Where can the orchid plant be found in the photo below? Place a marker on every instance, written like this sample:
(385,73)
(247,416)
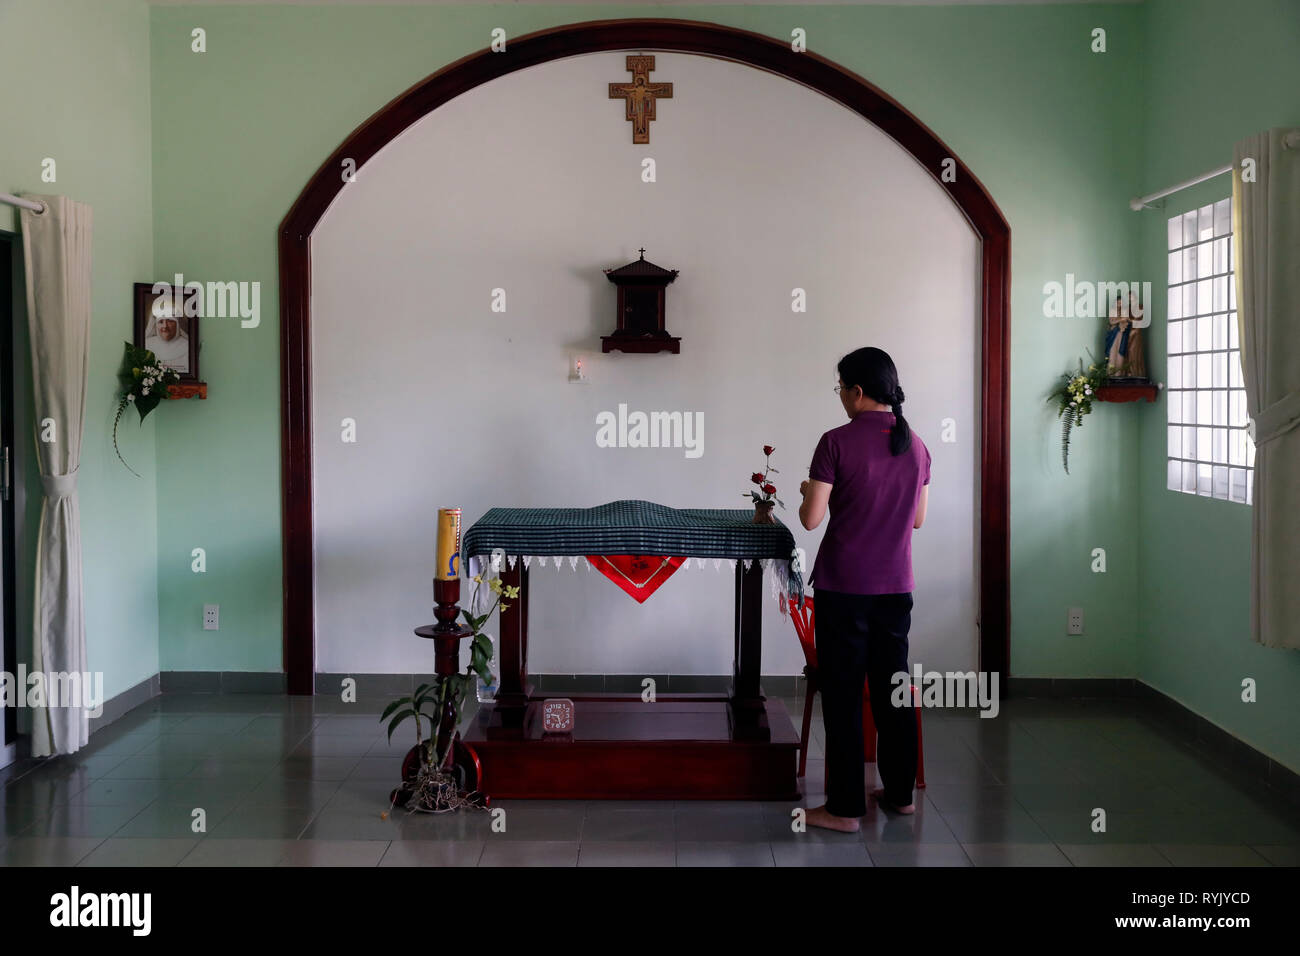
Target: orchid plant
(434,788)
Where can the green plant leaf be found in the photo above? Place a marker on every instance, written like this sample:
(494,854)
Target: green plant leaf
(145,404)
(1066,423)
(392,707)
(479,664)
(422,696)
(397,721)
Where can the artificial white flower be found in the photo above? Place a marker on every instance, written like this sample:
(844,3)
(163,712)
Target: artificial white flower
(146,390)
(130,398)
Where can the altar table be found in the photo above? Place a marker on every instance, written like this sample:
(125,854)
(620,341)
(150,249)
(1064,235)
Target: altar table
(738,745)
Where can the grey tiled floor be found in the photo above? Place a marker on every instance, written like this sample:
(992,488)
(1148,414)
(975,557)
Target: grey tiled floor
(303,782)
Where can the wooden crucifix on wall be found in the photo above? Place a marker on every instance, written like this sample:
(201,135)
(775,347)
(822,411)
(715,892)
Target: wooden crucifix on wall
(640,96)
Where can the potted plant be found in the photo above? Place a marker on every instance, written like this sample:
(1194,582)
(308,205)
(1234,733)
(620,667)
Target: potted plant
(765,497)
(1074,397)
(434,777)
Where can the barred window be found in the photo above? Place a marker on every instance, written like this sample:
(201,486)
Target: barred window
(1210,452)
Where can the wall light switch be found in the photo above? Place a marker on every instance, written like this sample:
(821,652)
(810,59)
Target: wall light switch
(1074,621)
(210,612)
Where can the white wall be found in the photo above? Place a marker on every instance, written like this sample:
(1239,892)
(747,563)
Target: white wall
(531,184)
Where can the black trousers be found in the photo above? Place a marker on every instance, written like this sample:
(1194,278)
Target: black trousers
(863,638)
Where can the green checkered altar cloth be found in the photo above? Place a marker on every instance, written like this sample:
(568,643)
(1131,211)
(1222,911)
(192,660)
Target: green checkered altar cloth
(636,527)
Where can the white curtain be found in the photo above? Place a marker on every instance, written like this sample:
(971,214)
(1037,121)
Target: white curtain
(56,251)
(1266,252)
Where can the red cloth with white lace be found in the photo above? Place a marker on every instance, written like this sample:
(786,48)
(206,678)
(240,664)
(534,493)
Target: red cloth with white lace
(640,575)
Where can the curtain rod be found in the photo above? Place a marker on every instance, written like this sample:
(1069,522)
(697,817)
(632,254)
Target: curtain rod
(1290,141)
(36,207)
(1137,205)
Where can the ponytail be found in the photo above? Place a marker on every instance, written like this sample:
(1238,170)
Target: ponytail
(900,436)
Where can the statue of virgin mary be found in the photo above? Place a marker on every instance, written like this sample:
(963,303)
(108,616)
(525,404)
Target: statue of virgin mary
(1124,353)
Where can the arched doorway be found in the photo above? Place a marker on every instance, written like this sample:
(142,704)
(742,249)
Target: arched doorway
(648,35)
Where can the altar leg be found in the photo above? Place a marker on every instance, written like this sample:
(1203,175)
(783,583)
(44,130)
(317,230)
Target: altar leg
(749,715)
(512,695)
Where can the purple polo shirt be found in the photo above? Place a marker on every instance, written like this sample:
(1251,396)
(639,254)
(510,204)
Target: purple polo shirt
(867,547)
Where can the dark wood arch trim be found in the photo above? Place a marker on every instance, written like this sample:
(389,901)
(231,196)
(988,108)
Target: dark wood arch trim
(663,35)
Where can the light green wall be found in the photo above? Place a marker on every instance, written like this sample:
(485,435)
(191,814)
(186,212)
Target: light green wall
(76,89)
(1214,74)
(1013,90)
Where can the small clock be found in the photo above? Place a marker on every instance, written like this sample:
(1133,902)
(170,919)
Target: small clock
(557,716)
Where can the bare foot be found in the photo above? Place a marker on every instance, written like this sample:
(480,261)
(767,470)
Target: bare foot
(819,817)
(879,796)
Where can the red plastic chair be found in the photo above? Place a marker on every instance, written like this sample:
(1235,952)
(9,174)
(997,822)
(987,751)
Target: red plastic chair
(803,625)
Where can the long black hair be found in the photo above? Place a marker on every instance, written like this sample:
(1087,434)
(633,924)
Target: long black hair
(873,371)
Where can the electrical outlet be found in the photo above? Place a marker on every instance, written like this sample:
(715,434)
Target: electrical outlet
(1074,621)
(210,617)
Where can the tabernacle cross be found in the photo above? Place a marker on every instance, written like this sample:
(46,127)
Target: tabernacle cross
(640,96)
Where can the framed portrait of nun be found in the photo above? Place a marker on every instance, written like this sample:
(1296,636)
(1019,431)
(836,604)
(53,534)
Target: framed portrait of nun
(167,324)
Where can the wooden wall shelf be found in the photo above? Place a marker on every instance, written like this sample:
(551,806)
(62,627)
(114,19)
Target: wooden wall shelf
(1128,392)
(642,345)
(188,390)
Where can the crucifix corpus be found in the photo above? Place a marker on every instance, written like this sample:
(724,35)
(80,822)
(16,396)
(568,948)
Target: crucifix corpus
(640,96)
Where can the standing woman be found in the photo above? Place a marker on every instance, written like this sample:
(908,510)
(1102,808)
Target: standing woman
(874,475)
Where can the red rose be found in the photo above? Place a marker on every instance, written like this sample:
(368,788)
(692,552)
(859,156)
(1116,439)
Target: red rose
(768,449)
(756,478)
(769,489)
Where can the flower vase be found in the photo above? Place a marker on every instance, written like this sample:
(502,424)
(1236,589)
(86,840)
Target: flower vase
(763,512)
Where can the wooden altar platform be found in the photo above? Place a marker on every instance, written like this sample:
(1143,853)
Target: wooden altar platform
(681,747)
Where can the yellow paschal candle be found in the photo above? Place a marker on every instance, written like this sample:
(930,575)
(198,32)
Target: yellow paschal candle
(448,552)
